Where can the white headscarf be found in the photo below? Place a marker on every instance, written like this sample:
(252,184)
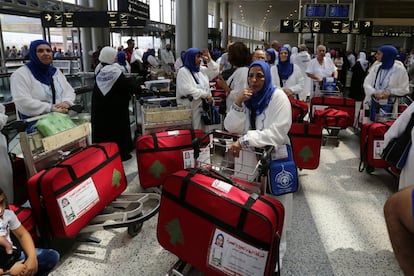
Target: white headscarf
(108,74)
(362,58)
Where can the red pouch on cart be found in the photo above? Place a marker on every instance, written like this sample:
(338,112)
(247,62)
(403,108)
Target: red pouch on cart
(161,154)
(306,141)
(331,117)
(299,110)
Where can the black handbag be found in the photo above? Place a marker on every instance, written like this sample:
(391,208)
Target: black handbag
(396,152)
(8,260)
(210,114)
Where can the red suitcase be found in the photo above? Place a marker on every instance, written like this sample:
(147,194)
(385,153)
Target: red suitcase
(218,228)
(336,102)
(25,216)
(161,154)
(68,195)
(306,141)
(371,145)
(331,117)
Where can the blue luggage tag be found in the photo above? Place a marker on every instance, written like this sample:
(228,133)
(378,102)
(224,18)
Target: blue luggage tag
(283,174)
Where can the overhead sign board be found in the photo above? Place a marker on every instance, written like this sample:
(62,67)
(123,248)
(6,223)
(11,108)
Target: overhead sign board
(103,19)
(326,10)
(326,26)
(135,8)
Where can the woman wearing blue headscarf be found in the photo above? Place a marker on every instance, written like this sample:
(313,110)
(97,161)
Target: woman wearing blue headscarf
(193,82)
(123,63)
(32,84)
(262,115)
(388,77)
(288,76)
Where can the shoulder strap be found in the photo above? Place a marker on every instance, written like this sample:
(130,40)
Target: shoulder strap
(52,85)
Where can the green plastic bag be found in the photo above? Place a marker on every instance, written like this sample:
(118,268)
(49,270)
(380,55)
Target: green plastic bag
(54,123)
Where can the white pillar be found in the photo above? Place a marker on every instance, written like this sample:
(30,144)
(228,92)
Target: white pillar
(225,32)
(217,15)
(199,23)
(182,27)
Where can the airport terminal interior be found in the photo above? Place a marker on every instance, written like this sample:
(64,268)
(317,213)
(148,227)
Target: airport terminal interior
(337,225)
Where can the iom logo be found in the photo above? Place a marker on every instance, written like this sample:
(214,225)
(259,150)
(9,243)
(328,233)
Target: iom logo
(284,179)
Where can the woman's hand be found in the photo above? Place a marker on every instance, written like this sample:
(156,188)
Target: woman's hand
(381,95)
(244,95)
(288,92)
(61,107)
(235,148)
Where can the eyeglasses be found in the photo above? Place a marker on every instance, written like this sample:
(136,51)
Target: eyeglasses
(256,76)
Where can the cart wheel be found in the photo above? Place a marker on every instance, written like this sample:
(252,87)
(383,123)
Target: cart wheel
(324,141)
(370,169)
(135,228)
(337,143)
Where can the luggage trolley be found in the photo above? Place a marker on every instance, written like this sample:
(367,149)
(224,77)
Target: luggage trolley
(127,210)
(381,114)
(215,161)
(332,98)
(156,113)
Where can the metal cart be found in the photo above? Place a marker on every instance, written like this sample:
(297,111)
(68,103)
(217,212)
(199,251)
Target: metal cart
(161,113)
(215,159)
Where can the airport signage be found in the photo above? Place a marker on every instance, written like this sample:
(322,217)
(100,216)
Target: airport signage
(326,26)
(91,19)
(326,11)
(135,8)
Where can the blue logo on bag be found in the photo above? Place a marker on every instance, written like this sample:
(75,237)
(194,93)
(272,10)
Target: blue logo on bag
(284,179)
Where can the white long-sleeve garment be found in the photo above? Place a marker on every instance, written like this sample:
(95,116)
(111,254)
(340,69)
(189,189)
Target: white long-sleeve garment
(32,97)
(6,172)
(186,86)
(396,81)
(397,128)
(295,82)
(237,82)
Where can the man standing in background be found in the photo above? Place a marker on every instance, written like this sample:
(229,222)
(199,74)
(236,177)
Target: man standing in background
(167,59)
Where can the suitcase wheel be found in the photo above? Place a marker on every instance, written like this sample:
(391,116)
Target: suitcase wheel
(369,169)
(135,228)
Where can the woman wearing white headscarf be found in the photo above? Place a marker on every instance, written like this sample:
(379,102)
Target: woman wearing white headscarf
(110,104)
(359,72)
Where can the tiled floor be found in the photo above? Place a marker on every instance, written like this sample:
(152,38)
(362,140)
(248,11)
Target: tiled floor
(337,228)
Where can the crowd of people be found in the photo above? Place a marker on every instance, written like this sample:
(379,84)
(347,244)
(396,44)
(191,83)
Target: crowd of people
(257,86)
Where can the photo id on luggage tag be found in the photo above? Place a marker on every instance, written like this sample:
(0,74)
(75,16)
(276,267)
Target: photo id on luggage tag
(279,152)
(378,148)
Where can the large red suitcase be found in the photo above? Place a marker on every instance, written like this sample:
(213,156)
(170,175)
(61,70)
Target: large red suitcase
(68,195)
(306,141)
(371,145)
(161,154)
(336,102)
(218,228)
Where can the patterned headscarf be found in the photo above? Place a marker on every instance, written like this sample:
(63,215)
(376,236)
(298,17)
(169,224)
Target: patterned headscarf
(189,59)
(389,54)
(260,100)
(42,72)
(285,68)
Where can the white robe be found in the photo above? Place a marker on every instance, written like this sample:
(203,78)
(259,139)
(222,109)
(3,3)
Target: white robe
(397,128)
(32,97)
(6,172)
(186,85)
(237,82)
(295,82)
